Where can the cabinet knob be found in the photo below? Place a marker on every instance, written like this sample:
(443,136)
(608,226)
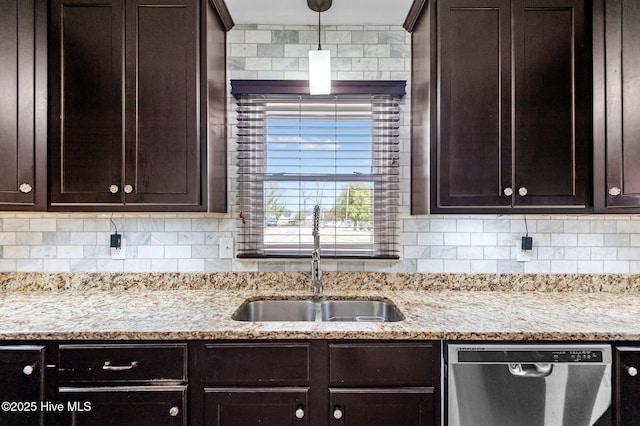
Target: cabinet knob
(337,413)
(128,189)
(174,411)
(300,413)
(614,191)
(522,191)
(29,369)
(25,188)
(508,191)
(114,189)
(632,371)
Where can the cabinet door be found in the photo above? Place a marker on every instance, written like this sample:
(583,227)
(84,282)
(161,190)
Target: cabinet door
(22,374)
(552,98)
(627,382)
(131,406)
(23,90)
(256,406)
(617,118)
(163,150)
(473,151)
(86,101)
(382,407)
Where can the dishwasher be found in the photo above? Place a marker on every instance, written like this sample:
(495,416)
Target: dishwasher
(528,385)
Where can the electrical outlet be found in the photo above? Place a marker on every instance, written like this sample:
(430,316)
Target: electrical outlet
(118,253)
(521,255)
(226,248)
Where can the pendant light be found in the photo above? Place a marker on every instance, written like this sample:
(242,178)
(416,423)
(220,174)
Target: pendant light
(319,60)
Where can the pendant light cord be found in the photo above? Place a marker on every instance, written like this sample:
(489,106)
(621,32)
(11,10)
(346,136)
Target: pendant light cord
(319,43)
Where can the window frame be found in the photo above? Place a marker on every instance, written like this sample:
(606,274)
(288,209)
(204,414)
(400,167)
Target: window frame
(393,89)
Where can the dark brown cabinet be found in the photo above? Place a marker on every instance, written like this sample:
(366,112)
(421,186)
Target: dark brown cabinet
(616,107)
(124,111)
(22,374)
(256,406)
(320,383)
(382,407)
(385,384)
(627,385)
(510,93)
(257,383)
(23,109)
(115,384)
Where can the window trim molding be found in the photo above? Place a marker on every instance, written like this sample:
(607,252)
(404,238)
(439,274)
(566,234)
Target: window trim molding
(395,88)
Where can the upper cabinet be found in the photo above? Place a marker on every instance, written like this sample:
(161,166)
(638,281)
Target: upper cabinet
(23,104)
(508,124)
(616,106)
(125,109)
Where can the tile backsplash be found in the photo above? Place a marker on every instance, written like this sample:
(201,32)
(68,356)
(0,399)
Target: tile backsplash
(190,242)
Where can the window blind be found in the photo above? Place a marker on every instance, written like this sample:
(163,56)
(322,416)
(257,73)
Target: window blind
(339,152)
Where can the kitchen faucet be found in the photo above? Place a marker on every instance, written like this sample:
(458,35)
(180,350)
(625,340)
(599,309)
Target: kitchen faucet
(316,273)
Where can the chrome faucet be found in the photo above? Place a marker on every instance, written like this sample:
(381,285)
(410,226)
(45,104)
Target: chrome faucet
(316,273)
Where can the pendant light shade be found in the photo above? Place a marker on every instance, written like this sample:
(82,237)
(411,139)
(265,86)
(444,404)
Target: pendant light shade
(319,72)
(319,60)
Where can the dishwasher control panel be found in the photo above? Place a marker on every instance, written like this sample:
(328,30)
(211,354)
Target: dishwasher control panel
(529,356)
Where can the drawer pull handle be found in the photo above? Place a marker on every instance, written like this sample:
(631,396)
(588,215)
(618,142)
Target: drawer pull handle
(29,369)
(614,191)
(522,191)
(114,189)
(128,189)
(337,413)
(508,191)
(174,411)
(632,371)
(300,413)
(107,366)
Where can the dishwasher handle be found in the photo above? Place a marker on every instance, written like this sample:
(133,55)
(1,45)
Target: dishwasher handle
(530,370)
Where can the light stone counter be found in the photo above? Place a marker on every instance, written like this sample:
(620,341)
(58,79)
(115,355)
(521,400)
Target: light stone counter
(199,306)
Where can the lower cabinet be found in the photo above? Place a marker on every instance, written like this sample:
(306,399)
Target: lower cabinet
(256,406)
(123,384)
(383,383)
(383,407)
(22,379)
(125,405)
(222,383)
(627,385)
(320,382)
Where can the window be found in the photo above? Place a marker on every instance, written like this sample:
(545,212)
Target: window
(339,152)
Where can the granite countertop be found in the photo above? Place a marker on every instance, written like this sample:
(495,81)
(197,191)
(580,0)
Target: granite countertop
(435,306)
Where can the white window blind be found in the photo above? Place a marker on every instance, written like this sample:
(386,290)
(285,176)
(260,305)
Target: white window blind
(340,152)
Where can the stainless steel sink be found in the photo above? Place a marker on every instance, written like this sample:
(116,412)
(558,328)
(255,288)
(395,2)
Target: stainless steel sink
(318,310)
(359,310)
(277,310)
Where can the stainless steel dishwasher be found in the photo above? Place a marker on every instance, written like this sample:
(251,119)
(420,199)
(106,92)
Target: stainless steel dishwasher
(528,385)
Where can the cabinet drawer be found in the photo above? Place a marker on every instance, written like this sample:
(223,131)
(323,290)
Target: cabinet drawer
(381,364)
(257,363)
(123,363)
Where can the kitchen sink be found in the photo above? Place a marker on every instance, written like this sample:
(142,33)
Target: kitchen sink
(359,310)
(351,310)
(277,310)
